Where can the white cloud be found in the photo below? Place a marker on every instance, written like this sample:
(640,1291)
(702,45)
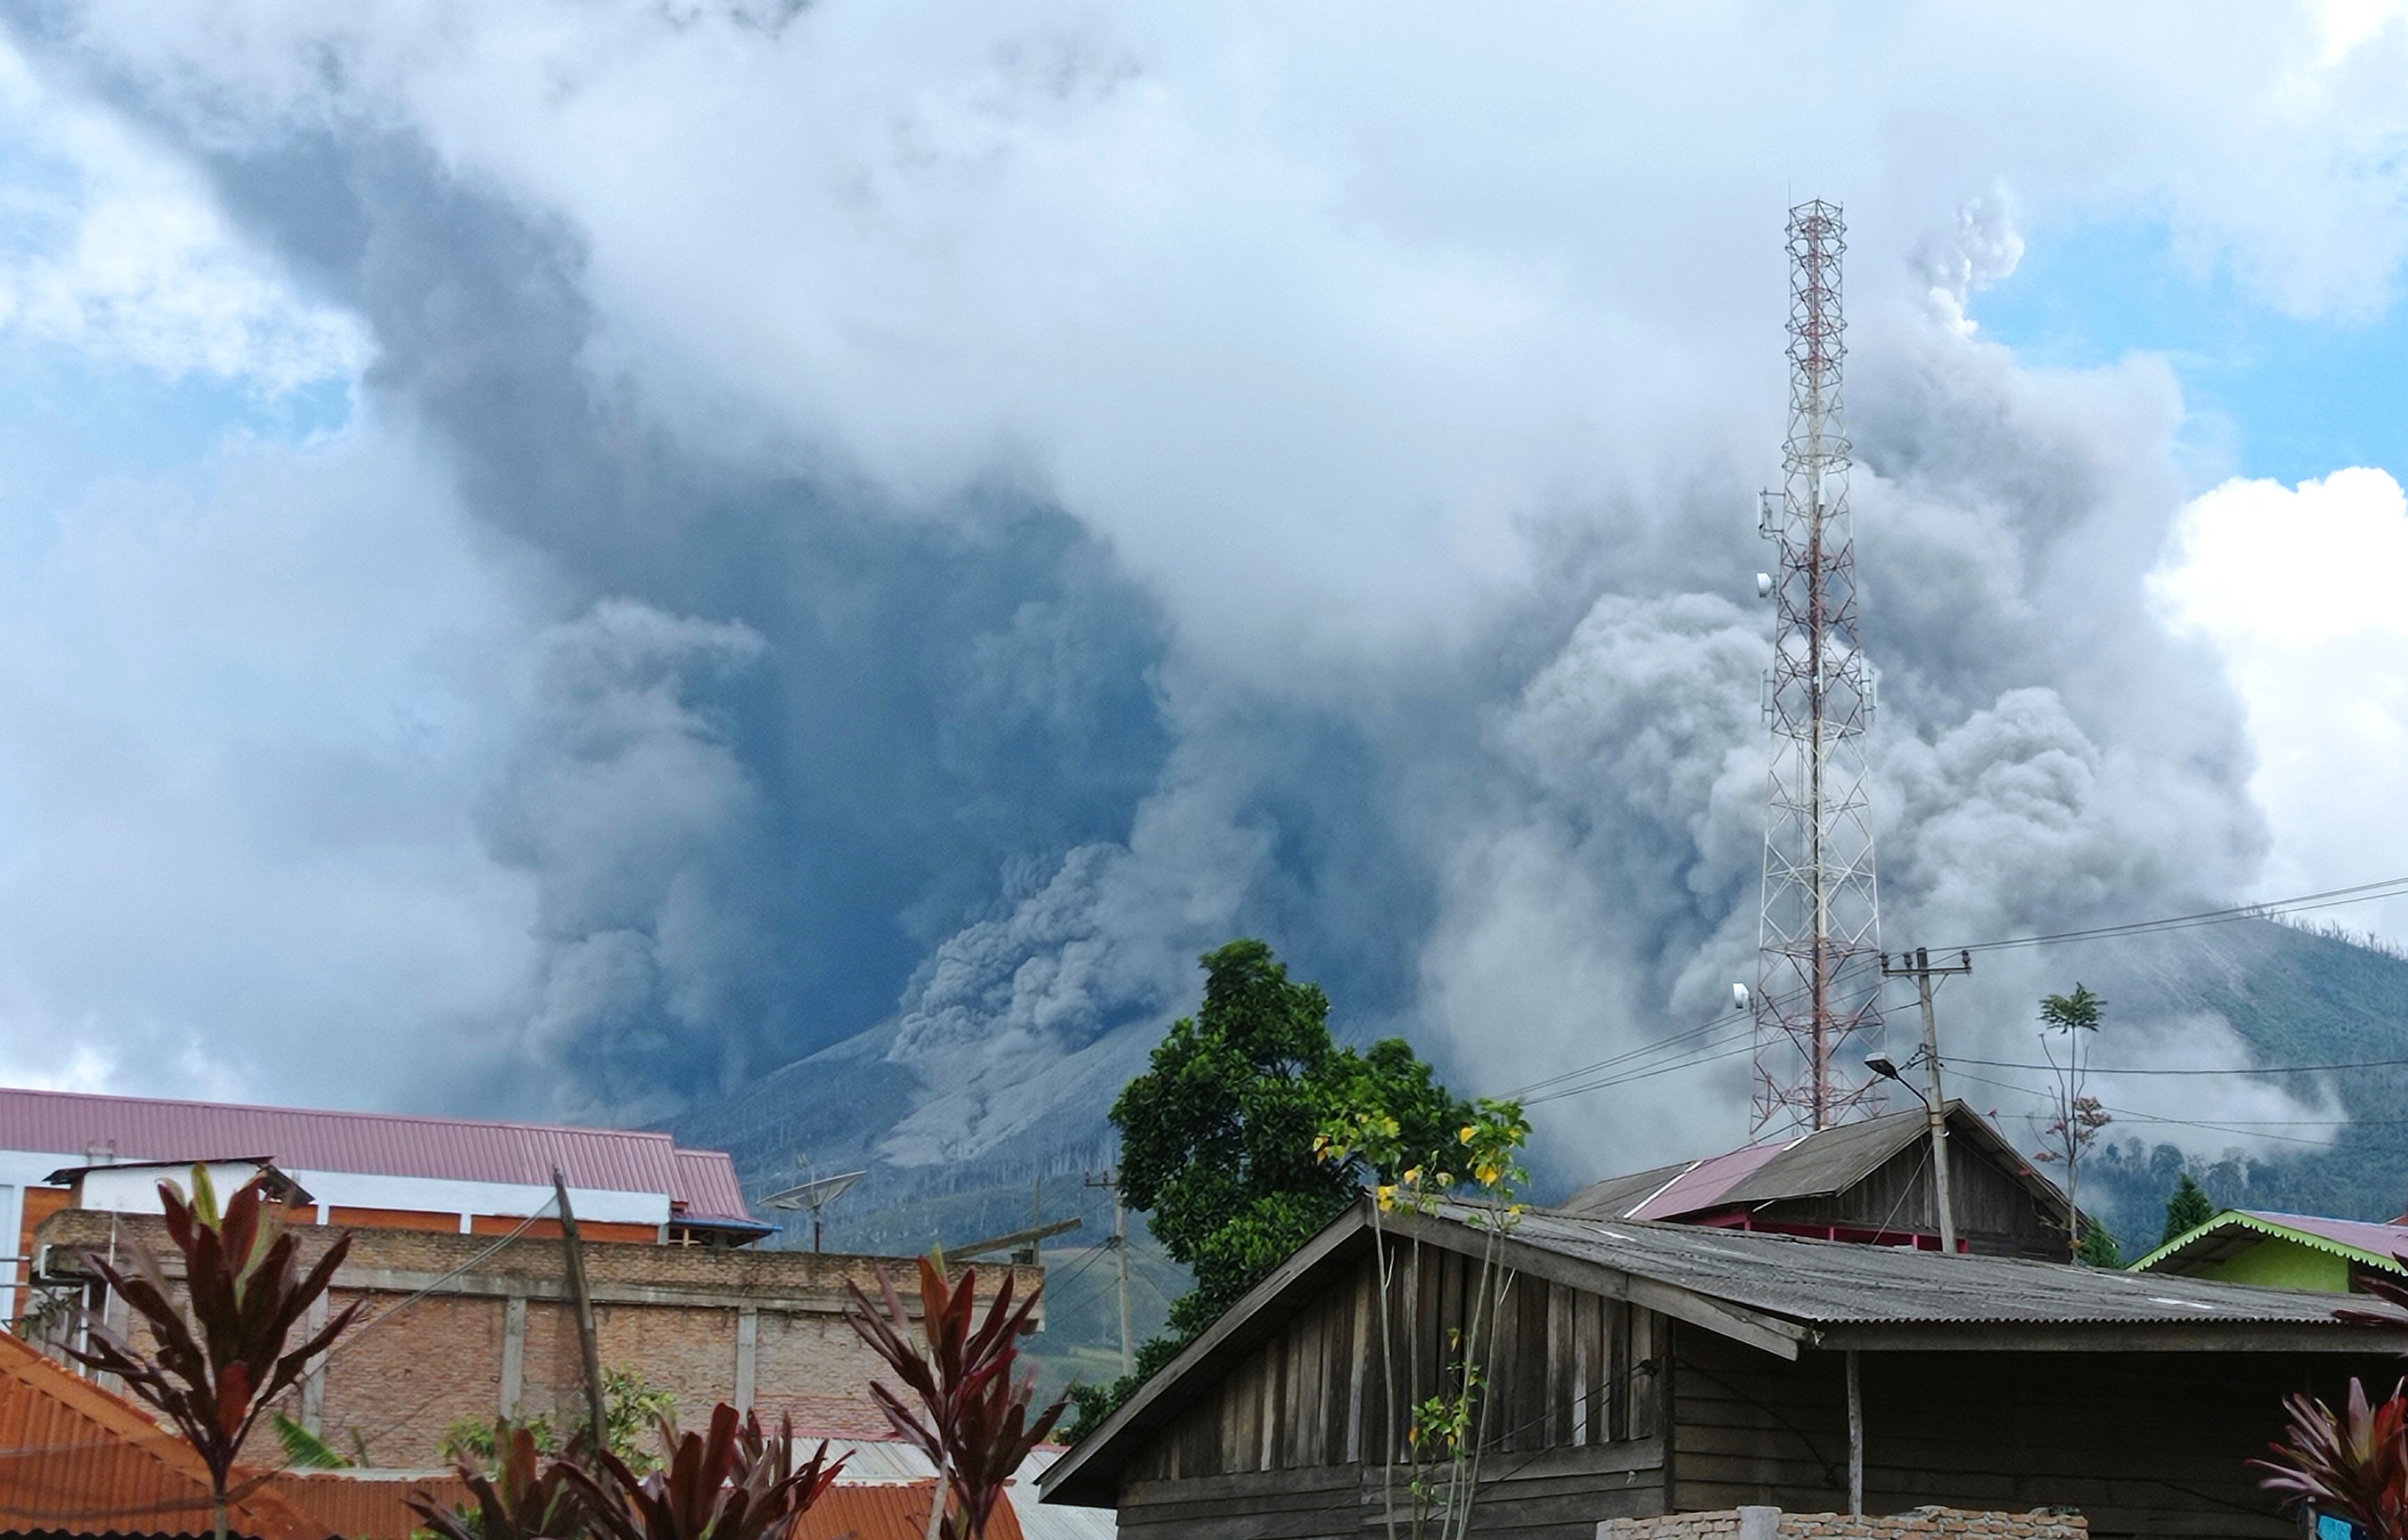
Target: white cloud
(115,250)
(244,721)
(2299,590)
(1314,319)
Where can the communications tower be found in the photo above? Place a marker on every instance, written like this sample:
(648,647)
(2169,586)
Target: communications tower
(1818,983)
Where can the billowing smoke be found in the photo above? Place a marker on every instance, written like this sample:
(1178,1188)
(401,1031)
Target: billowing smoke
(996,506)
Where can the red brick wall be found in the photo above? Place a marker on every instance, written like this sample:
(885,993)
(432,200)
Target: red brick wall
(812,1368)
(419,1365)
(397,1384)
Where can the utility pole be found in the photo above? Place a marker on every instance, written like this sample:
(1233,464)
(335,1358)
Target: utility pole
(1935,1108)
(595,1400)
(1110,1177)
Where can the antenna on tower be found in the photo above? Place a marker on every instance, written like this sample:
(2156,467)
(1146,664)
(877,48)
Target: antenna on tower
(1819,945)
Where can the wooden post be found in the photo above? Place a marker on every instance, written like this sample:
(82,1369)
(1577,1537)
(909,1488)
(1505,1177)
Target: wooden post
(1856,1440)
(596,1401)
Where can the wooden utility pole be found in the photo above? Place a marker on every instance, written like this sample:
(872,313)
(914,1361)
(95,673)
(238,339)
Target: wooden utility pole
(596,1401)
(1935,1107)
(1119,1243)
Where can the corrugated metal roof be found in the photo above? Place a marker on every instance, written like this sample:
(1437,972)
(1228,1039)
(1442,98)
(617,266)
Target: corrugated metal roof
(1832,1282)
(2379,1240)
(890,1461)
(1811,1165)
(706,1187)
(366,1506)
(1703,1183)
(382,1144)
(896,1511)
(2236,1230)
(76,1459)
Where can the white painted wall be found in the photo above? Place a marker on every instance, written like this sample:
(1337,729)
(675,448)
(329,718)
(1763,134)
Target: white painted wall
(134,1190)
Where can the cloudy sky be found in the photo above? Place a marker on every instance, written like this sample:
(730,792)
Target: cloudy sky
(555,557)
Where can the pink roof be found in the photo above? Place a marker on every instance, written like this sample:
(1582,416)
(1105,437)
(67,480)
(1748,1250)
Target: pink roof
(1704,1181)
(133,1128)
(2364,1234)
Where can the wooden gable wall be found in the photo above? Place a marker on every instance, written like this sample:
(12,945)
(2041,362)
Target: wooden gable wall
(1995,1215)
(1297,1435)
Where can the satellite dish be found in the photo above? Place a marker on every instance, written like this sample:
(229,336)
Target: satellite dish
(1764,585)
(814,1196)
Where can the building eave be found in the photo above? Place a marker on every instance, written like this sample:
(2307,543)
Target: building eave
(2233,1218)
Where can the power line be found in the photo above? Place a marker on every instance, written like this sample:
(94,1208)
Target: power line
(2329,899)
(2257,1070)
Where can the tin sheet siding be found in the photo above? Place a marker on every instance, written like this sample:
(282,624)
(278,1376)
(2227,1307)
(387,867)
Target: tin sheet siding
(1292,1440)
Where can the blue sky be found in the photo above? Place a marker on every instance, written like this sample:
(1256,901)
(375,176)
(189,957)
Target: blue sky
(2268,394)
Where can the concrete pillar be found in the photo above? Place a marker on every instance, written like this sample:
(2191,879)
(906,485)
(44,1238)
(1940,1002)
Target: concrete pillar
(514,1353)
(313,1383)
(748,1336)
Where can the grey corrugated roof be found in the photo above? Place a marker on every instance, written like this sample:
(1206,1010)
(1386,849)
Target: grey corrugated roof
(1814,1165)
(1618,1195)
(1829,1161)
(1834,1283)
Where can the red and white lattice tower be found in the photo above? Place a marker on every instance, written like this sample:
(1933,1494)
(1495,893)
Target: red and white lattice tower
(1818,983)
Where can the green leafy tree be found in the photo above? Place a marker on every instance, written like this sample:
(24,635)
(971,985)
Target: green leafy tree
(2186,1210)
(1221,1139)
(2098,1248)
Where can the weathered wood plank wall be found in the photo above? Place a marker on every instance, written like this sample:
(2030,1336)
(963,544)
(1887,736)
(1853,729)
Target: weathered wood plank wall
(1294,1441)
(2146,1444)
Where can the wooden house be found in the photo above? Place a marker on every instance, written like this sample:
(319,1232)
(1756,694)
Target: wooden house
(1869,1181)
(1643,1368)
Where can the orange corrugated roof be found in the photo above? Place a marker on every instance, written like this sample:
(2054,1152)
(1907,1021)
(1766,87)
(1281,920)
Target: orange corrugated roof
(77,1459)
(896,1510)
(366,1508)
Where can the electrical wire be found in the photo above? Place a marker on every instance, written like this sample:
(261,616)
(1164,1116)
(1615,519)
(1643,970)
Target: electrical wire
(2329,899)
(2254,1070)
(1531,1094)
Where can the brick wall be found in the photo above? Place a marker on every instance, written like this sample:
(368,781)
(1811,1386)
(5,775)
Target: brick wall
(420,1359)
(1773,1524)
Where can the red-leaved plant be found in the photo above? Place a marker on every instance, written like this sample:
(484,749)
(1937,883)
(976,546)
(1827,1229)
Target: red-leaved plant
(735,1482)
(967,1412)
(2354,1466)
(220,1361)
(519,1499)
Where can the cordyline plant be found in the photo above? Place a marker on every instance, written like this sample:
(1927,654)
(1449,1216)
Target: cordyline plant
(2353,1465)
(967,1412)
(519,1499)
(220,1361)
(734,1482)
